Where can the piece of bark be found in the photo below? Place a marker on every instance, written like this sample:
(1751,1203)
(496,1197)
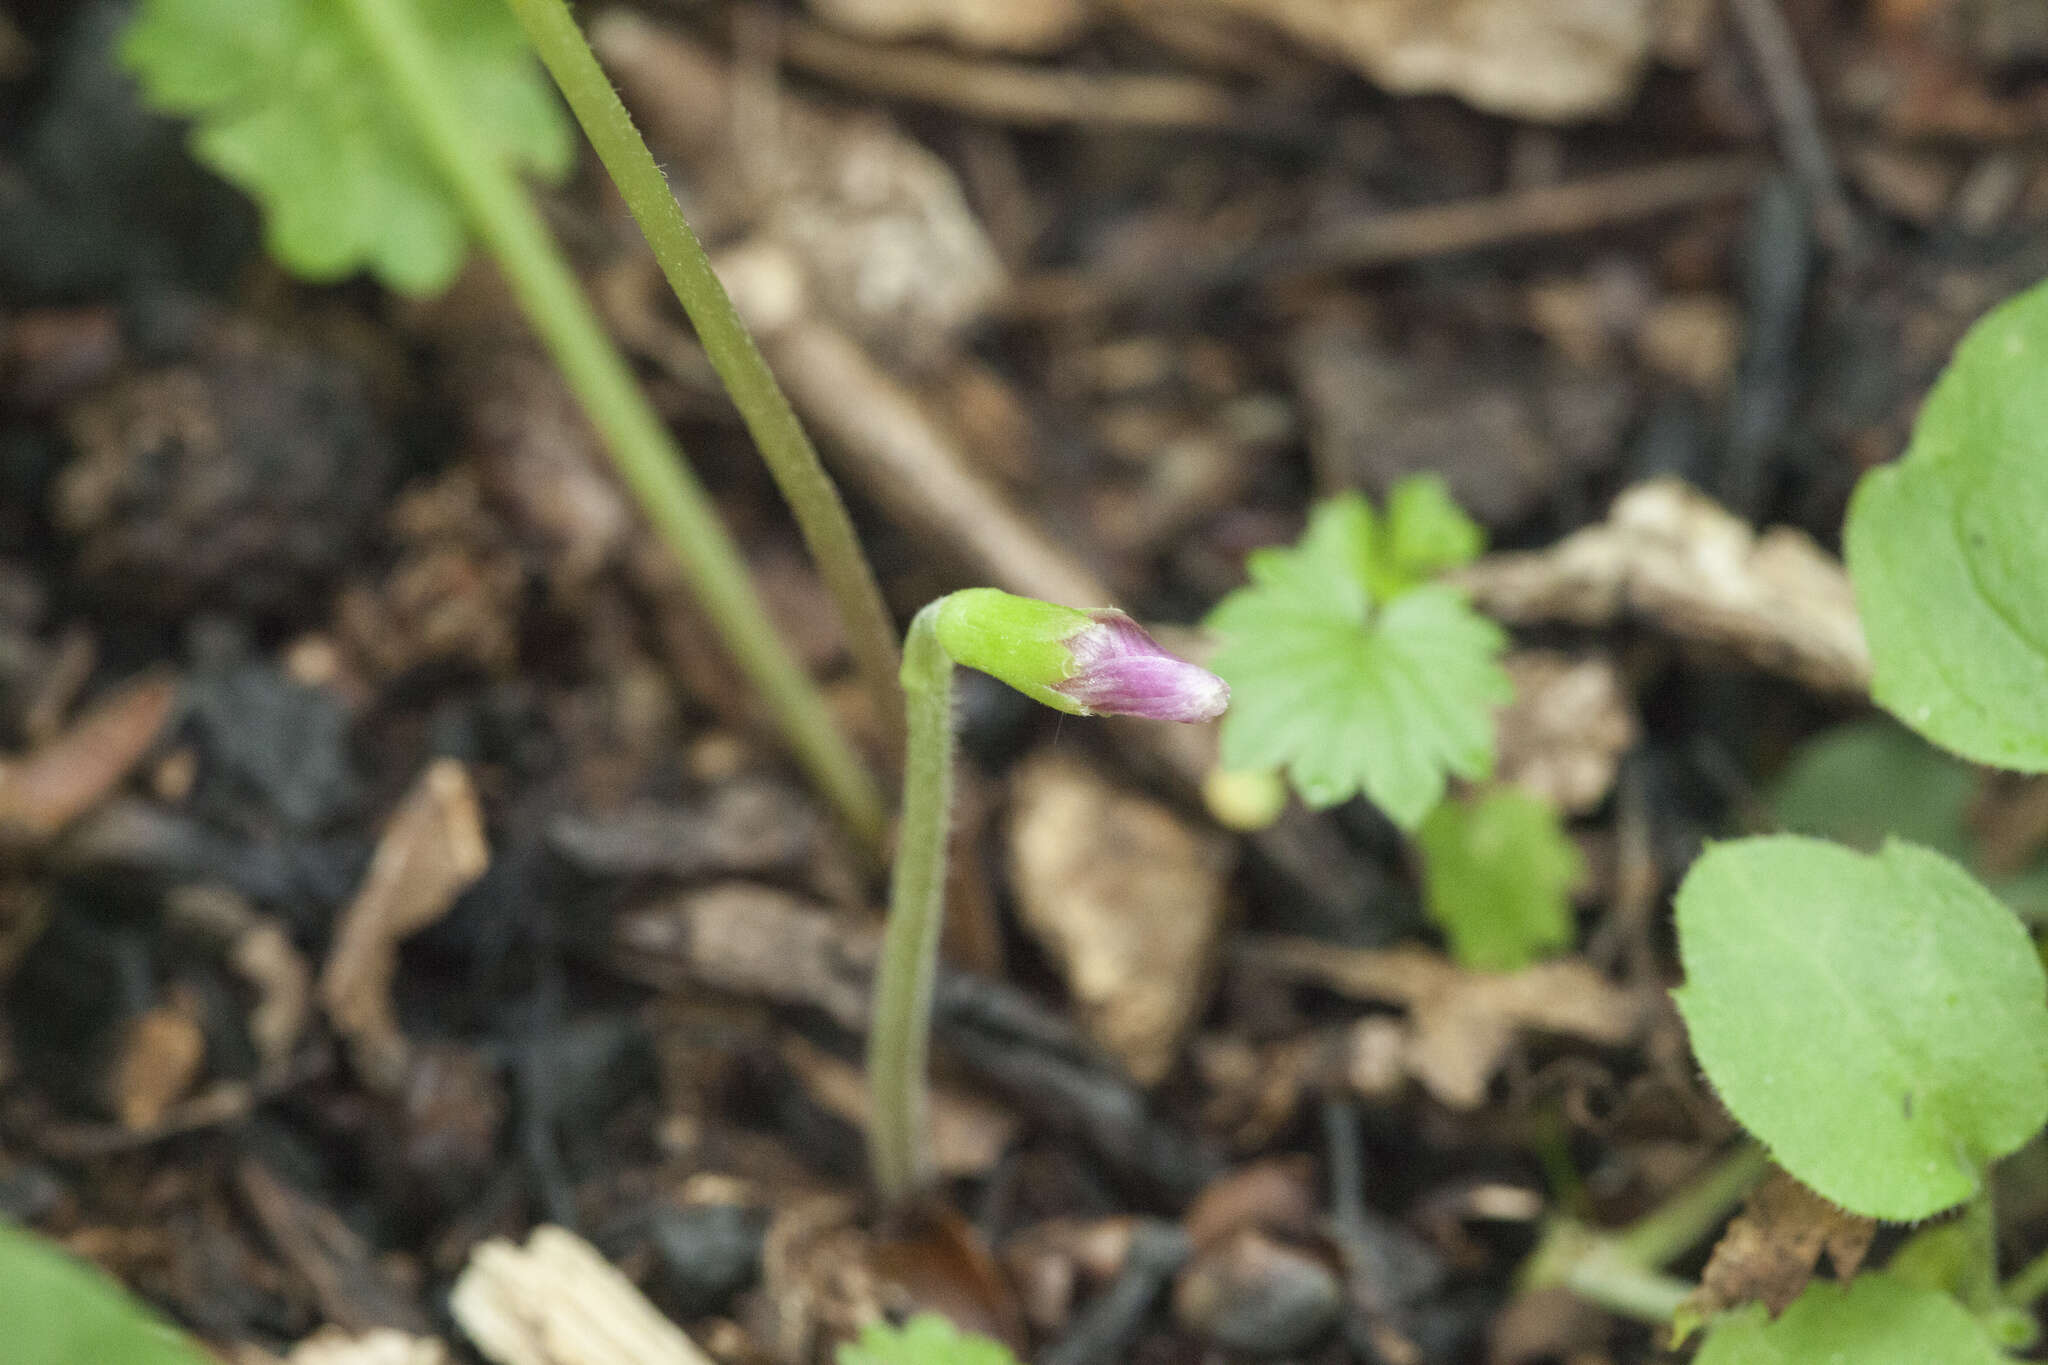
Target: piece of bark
(432,851)
(556,1301)
(47,789)
(1671,556)
(753,941)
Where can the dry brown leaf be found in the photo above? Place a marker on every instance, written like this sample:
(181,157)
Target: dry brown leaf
(1464,1022)
(1772,1247)
(935,1261)
(1674,557)
(1553,60)
(1128,898)
(432,851)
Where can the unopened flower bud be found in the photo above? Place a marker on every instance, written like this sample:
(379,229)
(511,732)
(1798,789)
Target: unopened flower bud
(1085,663)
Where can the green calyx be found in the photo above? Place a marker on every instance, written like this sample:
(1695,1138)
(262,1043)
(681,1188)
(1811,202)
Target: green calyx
(1016,640)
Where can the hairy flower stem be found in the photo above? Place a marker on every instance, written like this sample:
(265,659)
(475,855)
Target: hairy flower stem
(792,460)
(641,447)
(1082,663)
(899,1034)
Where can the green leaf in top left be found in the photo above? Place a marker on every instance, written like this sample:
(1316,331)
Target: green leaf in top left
(291,107)
(58,1311)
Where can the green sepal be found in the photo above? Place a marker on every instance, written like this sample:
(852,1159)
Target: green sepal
(1016,640)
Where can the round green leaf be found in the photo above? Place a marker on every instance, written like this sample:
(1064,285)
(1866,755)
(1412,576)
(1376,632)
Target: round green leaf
(1874,1320)
(1948,549)
(1879,1021)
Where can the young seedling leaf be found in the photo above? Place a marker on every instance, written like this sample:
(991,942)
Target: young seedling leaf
(290,106)
(1497,873)
(1427,533)
(1350,693)
(1879,1021)
(1948,549)
(1874,1320)
(58,1311)
(926,1339)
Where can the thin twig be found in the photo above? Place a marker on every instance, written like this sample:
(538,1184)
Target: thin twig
(1013,92)
(1413,234)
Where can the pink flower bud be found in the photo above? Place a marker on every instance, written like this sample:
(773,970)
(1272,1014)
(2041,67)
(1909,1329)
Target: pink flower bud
(1119,670)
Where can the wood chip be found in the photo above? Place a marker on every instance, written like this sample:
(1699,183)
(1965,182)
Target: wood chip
(162,1052)
(331,1346)
(1671,556)
(432,851)
(1128,898)
(556,1301)
(49,788)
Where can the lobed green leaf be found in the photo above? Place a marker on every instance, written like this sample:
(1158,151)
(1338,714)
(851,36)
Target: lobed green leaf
(1879,1021)
(1948,550)
(290,106)
(1347,693)
(1497,875)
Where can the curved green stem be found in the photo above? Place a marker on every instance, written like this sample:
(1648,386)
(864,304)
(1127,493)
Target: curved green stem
(1683,1221)
(640,446)
(898,1036)
(1624,1287)
(791,459)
